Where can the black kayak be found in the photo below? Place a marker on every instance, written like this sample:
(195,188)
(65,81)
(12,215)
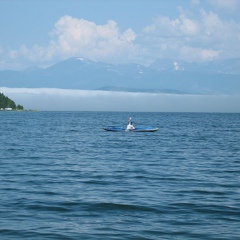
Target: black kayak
(138,129)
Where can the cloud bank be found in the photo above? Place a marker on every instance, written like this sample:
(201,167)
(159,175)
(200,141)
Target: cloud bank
(230,5)
(193,38)
(73,37)
(195,35)
(90,100)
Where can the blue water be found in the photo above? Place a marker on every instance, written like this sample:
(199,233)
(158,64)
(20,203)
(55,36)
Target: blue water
(63,177)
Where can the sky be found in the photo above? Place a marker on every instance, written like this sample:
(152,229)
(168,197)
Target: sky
(43,32)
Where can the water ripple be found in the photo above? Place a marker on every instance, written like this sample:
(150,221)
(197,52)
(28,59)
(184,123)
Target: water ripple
(61,181)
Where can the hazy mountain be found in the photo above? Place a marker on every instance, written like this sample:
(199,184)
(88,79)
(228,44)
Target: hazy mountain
(148,90)
(228,66)
(167,75)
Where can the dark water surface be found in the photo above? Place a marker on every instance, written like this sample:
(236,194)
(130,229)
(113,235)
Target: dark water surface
(63,177)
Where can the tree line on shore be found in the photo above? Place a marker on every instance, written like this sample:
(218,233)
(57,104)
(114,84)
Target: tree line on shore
(7,103)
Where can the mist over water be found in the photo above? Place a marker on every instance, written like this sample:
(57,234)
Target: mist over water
(52,99)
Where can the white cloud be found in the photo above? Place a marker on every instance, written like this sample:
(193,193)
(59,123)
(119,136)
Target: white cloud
(194,36)
(226,5)
(200,37)
(84,100)
(164,27)
(203,54)
(78,37)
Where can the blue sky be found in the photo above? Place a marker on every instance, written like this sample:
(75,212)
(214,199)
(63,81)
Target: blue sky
(41,32)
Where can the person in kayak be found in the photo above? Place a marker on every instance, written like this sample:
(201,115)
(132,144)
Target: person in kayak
(130,124)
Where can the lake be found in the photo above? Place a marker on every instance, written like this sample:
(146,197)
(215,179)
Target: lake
(64,177)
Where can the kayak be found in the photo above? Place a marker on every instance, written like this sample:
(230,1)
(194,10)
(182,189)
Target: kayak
(138,129)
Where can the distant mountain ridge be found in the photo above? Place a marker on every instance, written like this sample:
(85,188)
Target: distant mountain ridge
(124,89)
(166,75)
(228,66)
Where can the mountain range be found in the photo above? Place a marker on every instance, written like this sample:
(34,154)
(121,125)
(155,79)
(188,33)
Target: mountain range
(164,75)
